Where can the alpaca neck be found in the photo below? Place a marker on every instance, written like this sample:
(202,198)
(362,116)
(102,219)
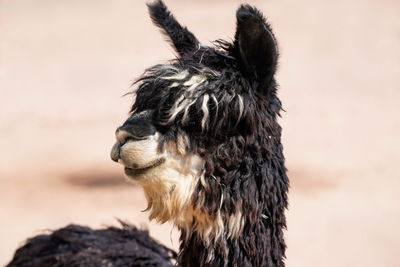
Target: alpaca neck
(246,206)
(259,244)
(257,238)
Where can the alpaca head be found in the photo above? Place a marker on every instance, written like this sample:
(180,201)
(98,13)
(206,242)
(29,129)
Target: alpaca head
(202,130)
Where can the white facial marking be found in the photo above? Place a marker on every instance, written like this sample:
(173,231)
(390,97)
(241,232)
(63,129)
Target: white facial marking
(194,82)
(177,76)
(241,107)
(204,108)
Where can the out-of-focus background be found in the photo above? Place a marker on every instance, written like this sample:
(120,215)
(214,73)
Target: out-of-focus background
(64,66)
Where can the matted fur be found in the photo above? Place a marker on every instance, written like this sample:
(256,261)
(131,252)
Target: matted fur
(229,116)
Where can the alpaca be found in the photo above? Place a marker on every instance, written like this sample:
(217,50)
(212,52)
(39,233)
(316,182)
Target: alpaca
(203,142)
(76,245)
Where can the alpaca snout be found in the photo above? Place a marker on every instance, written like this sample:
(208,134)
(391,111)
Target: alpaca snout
(116,156)
(135,153)
(123,136)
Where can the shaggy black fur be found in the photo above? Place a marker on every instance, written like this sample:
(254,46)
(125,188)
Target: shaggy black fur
(76,245)
(240,141)
(243,152)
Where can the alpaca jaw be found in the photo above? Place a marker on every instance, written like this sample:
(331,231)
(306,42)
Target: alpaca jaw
(169,184)
(168,176)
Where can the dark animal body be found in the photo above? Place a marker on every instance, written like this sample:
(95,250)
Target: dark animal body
(222,102)
(76,245)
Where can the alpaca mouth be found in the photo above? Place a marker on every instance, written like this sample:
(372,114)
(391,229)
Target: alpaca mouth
(133,172)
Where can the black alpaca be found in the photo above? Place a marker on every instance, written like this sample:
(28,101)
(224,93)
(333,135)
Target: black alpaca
(204,143)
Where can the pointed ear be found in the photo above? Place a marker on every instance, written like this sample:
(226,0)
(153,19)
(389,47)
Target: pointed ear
(255,48)
(182,39)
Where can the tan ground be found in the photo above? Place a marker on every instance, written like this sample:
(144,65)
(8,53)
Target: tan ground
(64,66)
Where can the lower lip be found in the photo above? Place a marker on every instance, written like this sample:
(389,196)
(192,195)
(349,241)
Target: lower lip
(136,172)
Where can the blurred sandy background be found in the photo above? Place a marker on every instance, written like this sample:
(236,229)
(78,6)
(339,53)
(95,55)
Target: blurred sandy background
(64,66)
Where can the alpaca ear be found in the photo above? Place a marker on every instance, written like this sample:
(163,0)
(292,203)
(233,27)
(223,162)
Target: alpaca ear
(182,39)
(255,48)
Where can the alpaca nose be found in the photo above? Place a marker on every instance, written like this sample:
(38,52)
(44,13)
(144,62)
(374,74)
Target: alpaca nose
(115,152)
(123,135)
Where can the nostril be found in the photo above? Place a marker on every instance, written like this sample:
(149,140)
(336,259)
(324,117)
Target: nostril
(115,152)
